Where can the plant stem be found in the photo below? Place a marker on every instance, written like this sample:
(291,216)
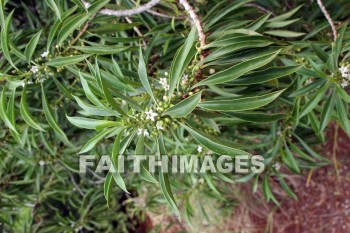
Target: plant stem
(328,17)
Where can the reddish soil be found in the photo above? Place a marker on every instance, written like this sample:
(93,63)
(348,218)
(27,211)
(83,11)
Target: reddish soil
(323,204)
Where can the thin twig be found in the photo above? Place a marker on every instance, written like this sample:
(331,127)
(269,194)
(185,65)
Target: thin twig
(309,178)
(260,8)
(127,12)
(82,31)
(196,21)
(164,15)
(328,17)
(137,30)
(161,14)
(76,185)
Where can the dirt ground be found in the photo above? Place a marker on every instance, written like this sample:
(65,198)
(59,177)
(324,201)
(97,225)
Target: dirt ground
(323,204)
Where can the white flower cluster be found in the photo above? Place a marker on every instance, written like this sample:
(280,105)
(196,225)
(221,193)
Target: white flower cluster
(34,69)
(159,125)
(184,80)
(45,54)
(345,73)
(164,83)
(150,115)
(142,131)
(23,83)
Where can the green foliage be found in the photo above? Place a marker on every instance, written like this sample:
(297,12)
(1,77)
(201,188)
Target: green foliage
(78,82)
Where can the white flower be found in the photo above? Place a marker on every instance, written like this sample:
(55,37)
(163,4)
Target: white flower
(164,83)
(86,4)
(166,73)
(34,69)
(211,71)
(41,162)
(309,81)
(199,149)
(159,126)
(184,79)
(344,84)
(277,166)
(144,131)
(29,82)
(42,80)
(344,69)
(45,54)
(150,115)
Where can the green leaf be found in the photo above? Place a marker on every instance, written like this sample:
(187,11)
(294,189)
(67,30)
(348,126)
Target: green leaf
(281,24)
(312,103)
(105,49)
(143,75)
(286,188)
(91,109)
(25,112)
(166,190)
(184,107)
(327,111)
(265,75)
(52,33)
(238,70)
(255,25)
(343,116)
(319,52)
(91,96)
(110,99)
(52,4)
(30,48)
(240,104)
(285,15)
(223,52)
(339,42)
(64,61)
(89,145)
(3,112)
(164,180)
(256,117)
(96,6)
(51,120)
(343,94)
(107,187)
(79,3)
(5,40)
(88,123)
(115,159)
(144,173)
(267,190)
(213,144)
(69,25)
(293,164)
(181,60)
(225,11)
(284,33)
(308,149)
